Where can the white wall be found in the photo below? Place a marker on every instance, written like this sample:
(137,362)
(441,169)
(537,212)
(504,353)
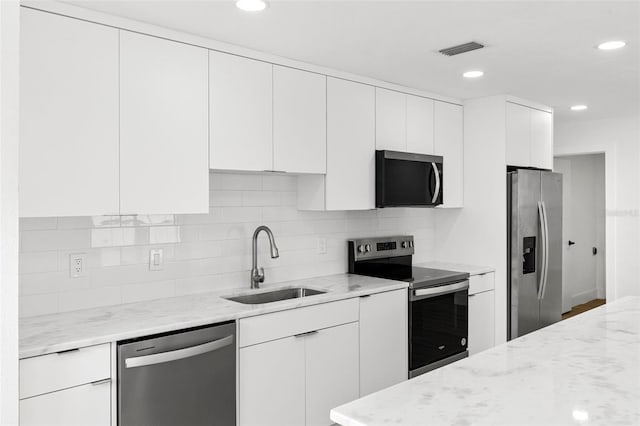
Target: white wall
(583,223)
(202,252)
(619,140)
(477,233)
(9,67)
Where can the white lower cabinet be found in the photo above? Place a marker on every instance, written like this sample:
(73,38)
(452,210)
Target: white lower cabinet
(272,387)
(297,380)
(86,405)
(383,340)
(481,313)
(67,388)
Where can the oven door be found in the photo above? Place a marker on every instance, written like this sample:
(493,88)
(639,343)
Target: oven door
(438,326)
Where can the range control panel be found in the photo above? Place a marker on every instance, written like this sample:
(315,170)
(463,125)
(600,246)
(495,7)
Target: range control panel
(379,247)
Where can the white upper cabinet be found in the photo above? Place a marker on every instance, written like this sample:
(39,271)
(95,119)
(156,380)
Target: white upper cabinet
(241,119)
(350,178)
(420,127)
(68,163)
(541,139)
(529,137)
(299,121)
(163,126)
(391,120)
(518,135)
(449,142)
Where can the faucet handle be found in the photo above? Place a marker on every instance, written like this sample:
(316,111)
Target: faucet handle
(258,275)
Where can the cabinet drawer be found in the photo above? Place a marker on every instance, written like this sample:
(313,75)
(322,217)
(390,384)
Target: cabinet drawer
(88,405)
(480,283)
(47,373)
(277,325)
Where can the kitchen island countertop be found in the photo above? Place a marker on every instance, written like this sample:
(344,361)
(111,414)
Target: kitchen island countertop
(581,371)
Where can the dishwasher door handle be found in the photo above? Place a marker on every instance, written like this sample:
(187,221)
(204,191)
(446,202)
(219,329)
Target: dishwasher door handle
(159,358)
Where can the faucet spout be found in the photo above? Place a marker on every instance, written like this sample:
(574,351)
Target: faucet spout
(257,274)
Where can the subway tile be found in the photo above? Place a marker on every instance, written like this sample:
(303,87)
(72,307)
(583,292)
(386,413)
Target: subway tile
(54,240)
(164,234)
(87,222)
(261,198)
(51,282)
(236,181)
(148,220)
(89,298)
(225,198)
(39,261)
(38,223)
(279,182)
(147,291)
(140,254)
(38,304)
(113,237)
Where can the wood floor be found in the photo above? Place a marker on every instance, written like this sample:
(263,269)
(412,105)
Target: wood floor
(578,309)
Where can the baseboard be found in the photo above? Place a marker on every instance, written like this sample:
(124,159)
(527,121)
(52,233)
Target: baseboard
(584,297)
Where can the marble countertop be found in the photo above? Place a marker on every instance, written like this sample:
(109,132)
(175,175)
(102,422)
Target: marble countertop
(457,267)
(58,332)
(581,371)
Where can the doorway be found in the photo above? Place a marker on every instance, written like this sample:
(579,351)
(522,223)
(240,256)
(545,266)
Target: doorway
(583,223)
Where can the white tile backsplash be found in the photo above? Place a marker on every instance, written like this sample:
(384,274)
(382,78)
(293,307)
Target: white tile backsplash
(202,252)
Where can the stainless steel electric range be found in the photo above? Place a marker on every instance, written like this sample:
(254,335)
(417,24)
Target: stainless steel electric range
(438,299)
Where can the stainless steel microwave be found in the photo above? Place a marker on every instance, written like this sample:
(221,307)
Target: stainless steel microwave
(405,179)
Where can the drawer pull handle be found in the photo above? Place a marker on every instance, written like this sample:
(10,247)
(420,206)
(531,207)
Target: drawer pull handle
(100,382)
(308,333)
(68,351)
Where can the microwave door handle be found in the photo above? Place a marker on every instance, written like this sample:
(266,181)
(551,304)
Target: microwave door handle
(436,193)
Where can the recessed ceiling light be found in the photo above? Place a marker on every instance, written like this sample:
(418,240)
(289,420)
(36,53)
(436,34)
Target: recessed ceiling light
(473,74)
(611,45)
(578,108)
(251,5)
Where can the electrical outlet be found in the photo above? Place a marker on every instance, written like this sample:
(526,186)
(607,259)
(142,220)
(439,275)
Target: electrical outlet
(77,265)
(155,259)
(322,245)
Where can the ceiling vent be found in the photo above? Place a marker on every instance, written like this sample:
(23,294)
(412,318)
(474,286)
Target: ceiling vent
(462,48)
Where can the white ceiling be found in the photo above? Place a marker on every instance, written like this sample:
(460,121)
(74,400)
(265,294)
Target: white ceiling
(538,50)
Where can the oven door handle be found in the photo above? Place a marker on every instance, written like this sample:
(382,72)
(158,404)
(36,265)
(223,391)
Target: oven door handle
(425,293)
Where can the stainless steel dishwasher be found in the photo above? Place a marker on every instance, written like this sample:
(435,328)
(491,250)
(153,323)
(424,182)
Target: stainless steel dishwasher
(186,378)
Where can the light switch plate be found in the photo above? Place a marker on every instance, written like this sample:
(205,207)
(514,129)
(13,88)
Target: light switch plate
(77,265)
(322,245)
(156,260)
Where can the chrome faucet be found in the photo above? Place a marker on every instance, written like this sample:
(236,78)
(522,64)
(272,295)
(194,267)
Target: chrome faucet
(257,274)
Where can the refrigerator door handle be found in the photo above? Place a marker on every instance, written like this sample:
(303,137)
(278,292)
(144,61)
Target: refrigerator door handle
(546,249)
(543,244)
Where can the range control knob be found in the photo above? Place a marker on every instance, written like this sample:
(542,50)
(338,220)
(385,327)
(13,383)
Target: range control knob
(407,244)
(411,243)
(361,248)
(367,248)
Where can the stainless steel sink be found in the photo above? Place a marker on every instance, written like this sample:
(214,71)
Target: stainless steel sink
(275,295)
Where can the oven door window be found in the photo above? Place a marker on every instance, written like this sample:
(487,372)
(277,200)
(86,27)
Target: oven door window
(438,328)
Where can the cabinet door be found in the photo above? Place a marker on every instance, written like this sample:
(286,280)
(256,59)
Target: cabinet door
(481,321)
(68,116)
(541,139)
(163,126)
(299,121)
(87,405)
(331,371)
(272,383)
(350,146)
(518,135)
(420,125)
(240,113)
(391,120)
(449,142)
(383,341)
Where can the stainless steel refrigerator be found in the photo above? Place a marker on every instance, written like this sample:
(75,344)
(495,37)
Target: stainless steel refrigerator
(534,290)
